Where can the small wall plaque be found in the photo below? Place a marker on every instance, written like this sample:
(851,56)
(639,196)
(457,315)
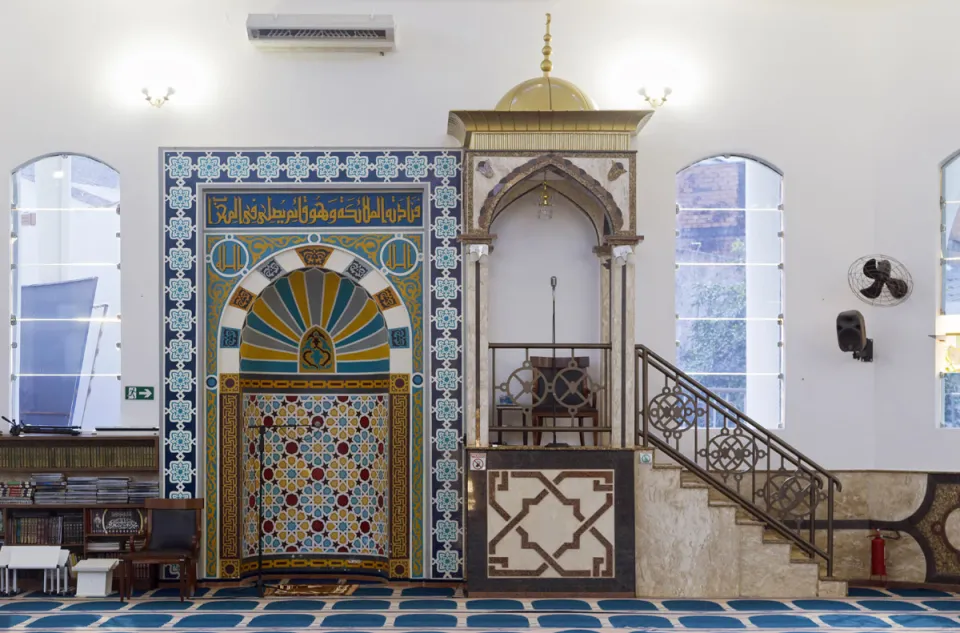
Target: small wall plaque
(478,461)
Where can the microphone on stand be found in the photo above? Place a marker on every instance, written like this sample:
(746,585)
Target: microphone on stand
(553,369)
(553,288)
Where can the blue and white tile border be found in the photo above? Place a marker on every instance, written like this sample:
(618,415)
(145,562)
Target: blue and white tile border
(185,172)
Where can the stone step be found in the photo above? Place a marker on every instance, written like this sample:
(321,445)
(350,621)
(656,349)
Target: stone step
(832,588)
(745,518)
(787,567)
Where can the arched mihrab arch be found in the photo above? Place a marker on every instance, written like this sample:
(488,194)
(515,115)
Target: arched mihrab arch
(369,288)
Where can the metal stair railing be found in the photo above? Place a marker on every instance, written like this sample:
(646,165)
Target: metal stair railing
(731,453)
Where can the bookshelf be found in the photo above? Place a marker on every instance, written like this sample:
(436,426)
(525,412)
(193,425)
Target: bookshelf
(90,527)
(77,528)
(37,454)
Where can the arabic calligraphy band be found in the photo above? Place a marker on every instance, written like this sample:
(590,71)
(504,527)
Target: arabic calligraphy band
(313,209)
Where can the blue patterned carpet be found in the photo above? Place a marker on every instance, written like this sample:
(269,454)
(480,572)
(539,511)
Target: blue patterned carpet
(421,610)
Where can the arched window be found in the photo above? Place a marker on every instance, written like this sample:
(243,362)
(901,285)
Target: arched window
(950,287)
(65,287)
(729,282)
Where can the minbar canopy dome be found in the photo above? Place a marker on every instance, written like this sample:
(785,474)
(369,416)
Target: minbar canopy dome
(546,92)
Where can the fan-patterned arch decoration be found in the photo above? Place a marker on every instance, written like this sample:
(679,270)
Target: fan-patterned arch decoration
(315,321)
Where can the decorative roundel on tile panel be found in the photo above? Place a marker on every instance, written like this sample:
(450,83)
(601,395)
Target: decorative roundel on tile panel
(230,257)
(400,256)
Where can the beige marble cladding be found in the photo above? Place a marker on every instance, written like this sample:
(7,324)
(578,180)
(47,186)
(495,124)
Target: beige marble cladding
(689,546)
(951,528)
(550,524)
(766,571)
(851,556)
(685,548)
(879,495)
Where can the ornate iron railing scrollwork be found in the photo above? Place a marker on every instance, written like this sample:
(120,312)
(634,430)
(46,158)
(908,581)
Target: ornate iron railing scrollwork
(563,382)
(771,480)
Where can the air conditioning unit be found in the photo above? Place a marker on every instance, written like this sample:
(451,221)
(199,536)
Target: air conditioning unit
(352,33)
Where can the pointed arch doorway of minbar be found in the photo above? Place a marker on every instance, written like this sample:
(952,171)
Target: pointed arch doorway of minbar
(602,186)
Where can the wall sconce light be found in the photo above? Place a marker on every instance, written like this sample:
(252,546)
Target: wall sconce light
(154,97)
(656,97)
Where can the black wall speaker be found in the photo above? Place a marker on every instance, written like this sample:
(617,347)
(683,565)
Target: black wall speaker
(852,335)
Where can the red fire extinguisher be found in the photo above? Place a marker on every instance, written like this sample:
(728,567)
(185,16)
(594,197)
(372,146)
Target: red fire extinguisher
(878,558)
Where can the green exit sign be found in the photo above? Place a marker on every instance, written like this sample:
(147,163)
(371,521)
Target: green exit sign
(139,393)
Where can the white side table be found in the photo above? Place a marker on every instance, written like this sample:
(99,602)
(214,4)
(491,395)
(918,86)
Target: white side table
(95,577)
(45,557)
(5,553)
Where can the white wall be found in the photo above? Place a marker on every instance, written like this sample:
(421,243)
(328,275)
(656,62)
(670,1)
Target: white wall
(527,253)
(853,100)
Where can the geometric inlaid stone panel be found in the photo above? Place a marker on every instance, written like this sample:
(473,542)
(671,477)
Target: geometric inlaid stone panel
(550,521)
(550,524)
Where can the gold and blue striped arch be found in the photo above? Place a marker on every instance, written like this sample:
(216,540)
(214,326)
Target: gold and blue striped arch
(315,321)
(304,209)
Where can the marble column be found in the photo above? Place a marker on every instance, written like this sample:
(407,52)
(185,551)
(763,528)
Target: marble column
(603,404)
(477,320)
(616,351)
(625,253)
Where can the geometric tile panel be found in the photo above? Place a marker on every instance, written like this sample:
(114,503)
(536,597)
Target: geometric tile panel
(282,336)
(324,482)
(295,298)
(187,174)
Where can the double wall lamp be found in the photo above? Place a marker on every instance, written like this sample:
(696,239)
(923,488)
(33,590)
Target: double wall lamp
(157,97)
(655,96)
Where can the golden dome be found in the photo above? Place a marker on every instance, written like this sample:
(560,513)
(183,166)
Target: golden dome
(545,93)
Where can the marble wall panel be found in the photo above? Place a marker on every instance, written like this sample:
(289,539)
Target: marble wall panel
(685,548)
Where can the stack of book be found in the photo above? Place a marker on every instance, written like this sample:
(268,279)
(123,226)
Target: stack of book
(143,490)
(16,493)
(104,546)
(82,490)
(113,490)
(51,489)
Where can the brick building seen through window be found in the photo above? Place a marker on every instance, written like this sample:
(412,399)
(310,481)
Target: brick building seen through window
(729,282)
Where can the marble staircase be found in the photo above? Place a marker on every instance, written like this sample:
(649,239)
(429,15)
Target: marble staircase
(694,542)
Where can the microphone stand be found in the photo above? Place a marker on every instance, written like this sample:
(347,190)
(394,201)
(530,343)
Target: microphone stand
(553,340)
(553,288)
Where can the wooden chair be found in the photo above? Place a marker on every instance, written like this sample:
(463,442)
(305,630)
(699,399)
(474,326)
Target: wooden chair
(551,408)
(172,538)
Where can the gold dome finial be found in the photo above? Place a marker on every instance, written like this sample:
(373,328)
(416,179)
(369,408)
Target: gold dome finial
(546,65)
(546,93)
